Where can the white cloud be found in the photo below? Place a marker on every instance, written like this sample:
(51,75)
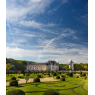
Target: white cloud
(16,12)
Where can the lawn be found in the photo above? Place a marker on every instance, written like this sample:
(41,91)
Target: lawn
(70,86)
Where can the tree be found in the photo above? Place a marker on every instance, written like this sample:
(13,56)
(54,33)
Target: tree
(26,78)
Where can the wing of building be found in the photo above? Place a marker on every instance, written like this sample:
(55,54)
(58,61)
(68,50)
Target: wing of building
(71,65)
(48,66)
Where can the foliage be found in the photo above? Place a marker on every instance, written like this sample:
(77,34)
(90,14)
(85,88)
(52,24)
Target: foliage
(20,76)
(83,74)
(63,76)
(70,74)
(22,72)
(26,78)
(54,74)
(77,76)
(51,92)
(15,92)
(85,77)
(13,78)
(36,80)
(39,76)
(27,74)
(12,64)
(13,83)
(80,72)
(57,77)
(63,79)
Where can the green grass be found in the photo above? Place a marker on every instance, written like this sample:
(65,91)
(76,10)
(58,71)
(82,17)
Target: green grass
(64,87)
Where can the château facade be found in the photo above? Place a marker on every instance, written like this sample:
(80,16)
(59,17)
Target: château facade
(48,66)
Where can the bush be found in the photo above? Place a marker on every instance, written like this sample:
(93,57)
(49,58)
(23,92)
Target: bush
(70,74)
(39,76)
(80,72)
(27,74)
(63,76)
(22,72)
(15,92)
(63,79)
(83,74)
(54,74)
(36,80)
(13,78)
(51,92)
(58,77)
(67,74)
(13,83)
(20,76)
(77,76)
(85,77)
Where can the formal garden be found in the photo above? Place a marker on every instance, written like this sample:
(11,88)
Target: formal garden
(67,83)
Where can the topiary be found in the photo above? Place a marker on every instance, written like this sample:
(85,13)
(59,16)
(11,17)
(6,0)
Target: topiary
(70,74)
(54,74)
(63,79)
(27,74)
(83,74)
(13,78)
(77,76)
(63,76)
(13,83)
(58,77)
(39,76)
(20,76)
(36,80)
(15,92)
(51,92)
(85,77)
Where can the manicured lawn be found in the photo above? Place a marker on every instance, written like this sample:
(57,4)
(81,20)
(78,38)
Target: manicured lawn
(64,87)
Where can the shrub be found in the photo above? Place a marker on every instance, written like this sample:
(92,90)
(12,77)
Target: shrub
(70,74)
(77,76)
(67,74)
(54,74)
(22,72)
(85,77)
(63,79)
(13,83)
(27,74)
(80,72)
(13,78)
(39,76)
(83,74)
(20,76)
(51,92)
(36,80)
(15,92)
(63,76)
(58,77)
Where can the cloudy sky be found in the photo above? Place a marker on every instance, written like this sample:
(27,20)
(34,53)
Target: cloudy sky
(42,30)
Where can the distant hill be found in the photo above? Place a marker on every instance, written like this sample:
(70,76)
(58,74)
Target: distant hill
(12,64)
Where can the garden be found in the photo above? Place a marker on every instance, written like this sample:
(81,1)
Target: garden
(66,84)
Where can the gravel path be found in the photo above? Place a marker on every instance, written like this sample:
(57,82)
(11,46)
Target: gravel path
(31,80)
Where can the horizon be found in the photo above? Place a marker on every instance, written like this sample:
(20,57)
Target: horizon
(43,30)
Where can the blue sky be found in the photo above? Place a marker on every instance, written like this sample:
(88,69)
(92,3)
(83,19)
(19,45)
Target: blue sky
(42,30)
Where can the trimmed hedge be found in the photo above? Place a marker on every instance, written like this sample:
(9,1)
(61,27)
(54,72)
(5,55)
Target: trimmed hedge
(13,83)
(39,76)
(77,76)
(51,92)
(63,79)
(13,78)
(36,80)
(58,77)
(63,76)
(70,74)
(54,74)
(15,92)
(20,76)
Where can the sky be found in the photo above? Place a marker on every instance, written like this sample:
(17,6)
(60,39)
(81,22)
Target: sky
(42,30)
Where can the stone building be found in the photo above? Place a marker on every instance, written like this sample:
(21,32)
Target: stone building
(48,66)
(71,65)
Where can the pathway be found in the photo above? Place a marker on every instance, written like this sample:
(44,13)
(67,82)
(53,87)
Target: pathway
(31,80)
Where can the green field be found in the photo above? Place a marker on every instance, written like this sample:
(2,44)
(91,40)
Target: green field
(71,86)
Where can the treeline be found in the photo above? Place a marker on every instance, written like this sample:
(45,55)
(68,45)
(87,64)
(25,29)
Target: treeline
(77,67)
(12,64)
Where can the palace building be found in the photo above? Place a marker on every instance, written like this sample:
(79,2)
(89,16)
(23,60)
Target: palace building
(48,66)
